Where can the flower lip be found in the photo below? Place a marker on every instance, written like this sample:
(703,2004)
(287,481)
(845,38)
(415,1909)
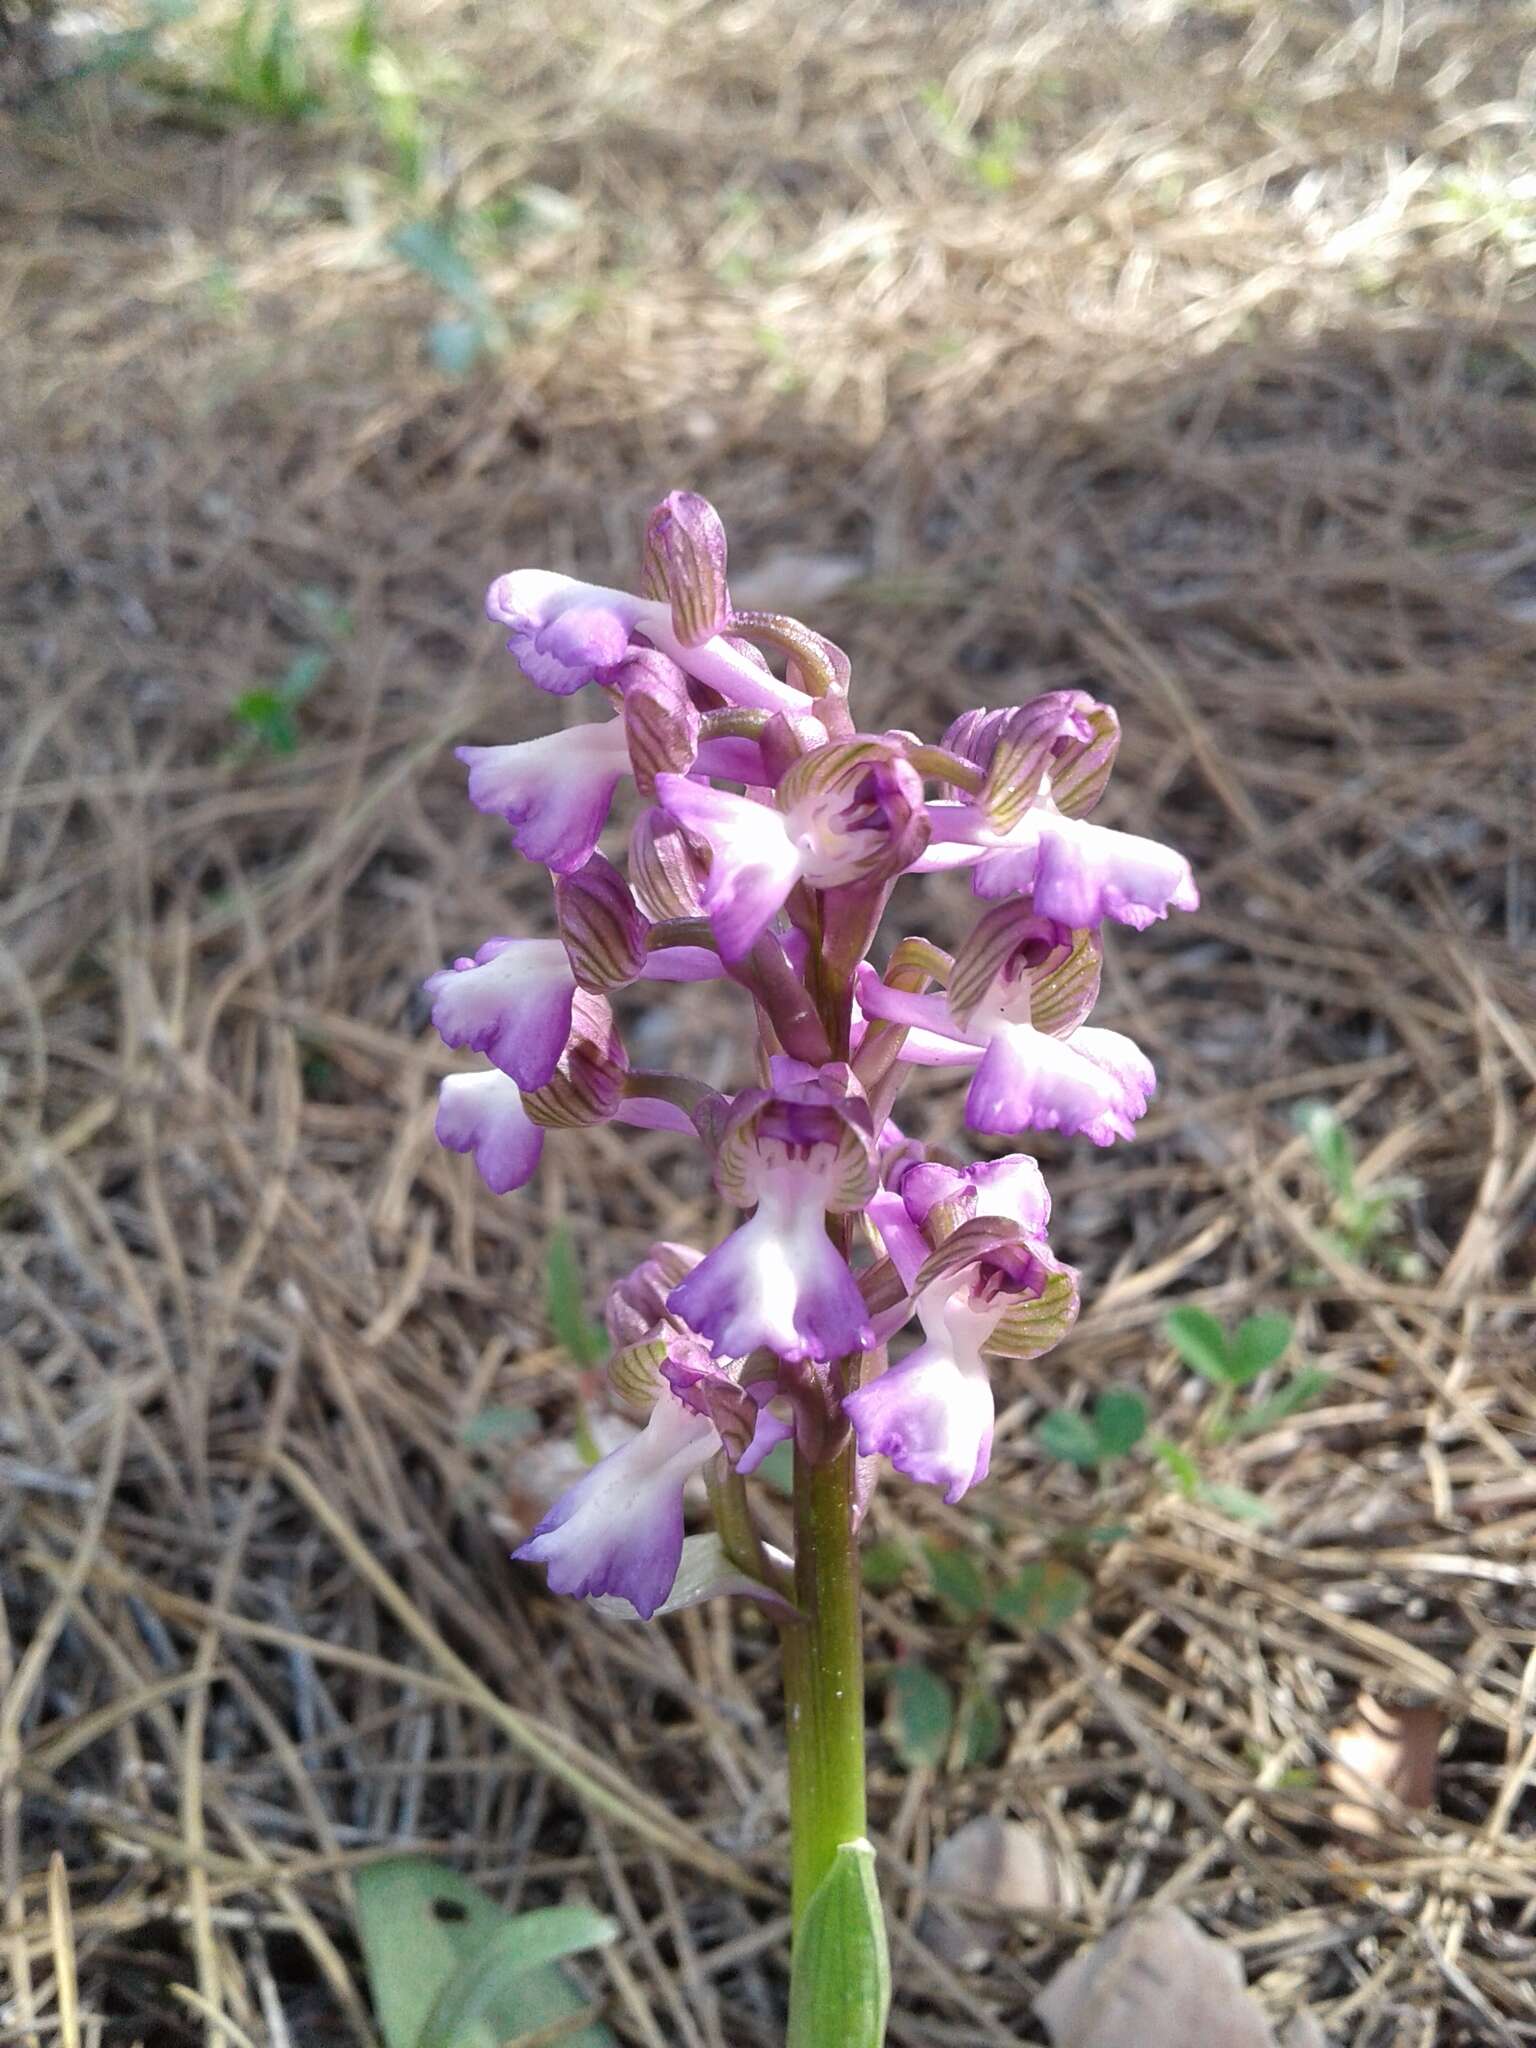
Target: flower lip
(1082,873)
(483,1114)
(619,1529)
(931,1416)
(777,1283)
(562,633)
(510,1001)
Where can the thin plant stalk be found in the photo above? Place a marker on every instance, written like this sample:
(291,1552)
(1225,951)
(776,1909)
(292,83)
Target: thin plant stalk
(824,1676)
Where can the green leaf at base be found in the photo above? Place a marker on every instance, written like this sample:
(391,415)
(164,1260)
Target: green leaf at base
(840,1992)
(1069,1436)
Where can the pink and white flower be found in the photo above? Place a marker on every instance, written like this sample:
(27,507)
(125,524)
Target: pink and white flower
(1075,873)
(846,813)
(566,634)
(483,1114)
(1017,1020)
(778,1282)
(555,792)
(988,1287)
(1046,763)
(511,1001)
(619,1529)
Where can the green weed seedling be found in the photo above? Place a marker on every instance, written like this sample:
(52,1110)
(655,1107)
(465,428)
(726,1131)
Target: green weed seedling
(1112,1429)
(390,97)
(1362,1221)
(990,154)
(1231,1361)
(930,1722)
(584,1341)
(475,329)
(268,717)
(930,1727)
(267,68)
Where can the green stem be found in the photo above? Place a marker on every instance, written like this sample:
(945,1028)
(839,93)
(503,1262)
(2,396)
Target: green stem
(824,1676)
(738,1532)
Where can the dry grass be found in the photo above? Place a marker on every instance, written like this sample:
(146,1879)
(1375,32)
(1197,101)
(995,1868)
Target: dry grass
(1223,403)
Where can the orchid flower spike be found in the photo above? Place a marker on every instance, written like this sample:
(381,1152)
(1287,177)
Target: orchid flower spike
(722,817)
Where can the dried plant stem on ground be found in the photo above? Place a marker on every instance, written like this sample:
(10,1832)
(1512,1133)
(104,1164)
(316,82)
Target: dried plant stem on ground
(1219,403)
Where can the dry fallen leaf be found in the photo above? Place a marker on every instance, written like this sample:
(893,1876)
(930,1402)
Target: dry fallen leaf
(1156,1981)
(1006,1865)
(1383,1750)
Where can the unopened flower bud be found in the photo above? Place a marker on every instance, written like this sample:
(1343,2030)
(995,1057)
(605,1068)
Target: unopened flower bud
(604,932)
(684,562)
(661,722)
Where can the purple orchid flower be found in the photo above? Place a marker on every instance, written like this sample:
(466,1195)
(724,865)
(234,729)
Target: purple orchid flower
(511,1001)
(483,1114)
(554,792)
(989,1287)
(845,814)
(1045,763)
(566,634)
(1017,1020)
(778,1282)
(619,1529)
(1075,873)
